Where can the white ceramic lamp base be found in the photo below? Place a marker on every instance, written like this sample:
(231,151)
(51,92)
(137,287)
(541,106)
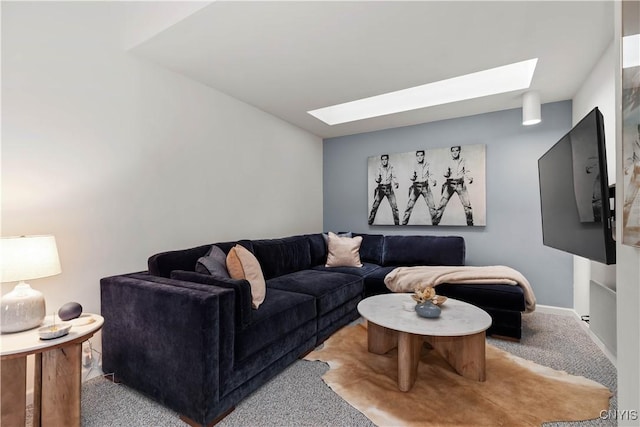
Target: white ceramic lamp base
(21,309)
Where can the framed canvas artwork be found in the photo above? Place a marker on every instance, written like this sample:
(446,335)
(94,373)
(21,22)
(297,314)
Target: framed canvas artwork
(437,186)
(630,127)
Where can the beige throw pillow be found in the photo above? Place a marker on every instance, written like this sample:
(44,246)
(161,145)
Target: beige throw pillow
(343,251)
(242,264)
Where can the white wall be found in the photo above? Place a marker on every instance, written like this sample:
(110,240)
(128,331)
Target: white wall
(120,159)
(598,90)
(604,89)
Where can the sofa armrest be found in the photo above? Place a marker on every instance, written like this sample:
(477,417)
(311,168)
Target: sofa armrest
(242,290)
(169,339)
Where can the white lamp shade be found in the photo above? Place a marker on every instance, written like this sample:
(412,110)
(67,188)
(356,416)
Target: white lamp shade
(28,257)
(24,258)
(531,108)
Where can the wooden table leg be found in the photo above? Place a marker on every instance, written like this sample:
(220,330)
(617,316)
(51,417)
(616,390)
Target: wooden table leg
(61,382)
(13,375)
(465,354)
(37,391)
(409,347)
(380,339)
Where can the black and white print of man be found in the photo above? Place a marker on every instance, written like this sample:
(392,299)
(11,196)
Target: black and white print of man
(421,178)
(387,181)
(455,174)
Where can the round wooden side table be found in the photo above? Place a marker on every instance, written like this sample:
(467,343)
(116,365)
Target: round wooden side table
(58,374)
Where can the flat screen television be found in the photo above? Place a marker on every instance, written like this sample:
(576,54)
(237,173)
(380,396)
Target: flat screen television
(577,212)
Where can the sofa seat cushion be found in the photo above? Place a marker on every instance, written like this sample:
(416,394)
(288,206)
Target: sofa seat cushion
(336,319)
(281,313)
(505,297)
(364,271)
(374,282)
(252,372)
(330,289)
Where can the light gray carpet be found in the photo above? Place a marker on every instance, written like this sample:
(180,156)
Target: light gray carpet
(299,397)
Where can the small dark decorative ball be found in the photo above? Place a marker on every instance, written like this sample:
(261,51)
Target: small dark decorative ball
(69,311)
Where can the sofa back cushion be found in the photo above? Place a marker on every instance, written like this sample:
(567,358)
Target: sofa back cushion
(162,264)
(371,248)
(423,250)
(318,248)
(282,256)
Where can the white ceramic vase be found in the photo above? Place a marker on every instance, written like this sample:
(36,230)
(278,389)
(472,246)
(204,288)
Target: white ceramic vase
(23,308)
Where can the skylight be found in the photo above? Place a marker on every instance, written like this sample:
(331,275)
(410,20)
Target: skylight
(502,79)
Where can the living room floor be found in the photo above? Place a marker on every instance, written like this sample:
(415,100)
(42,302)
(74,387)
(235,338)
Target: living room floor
(298,396)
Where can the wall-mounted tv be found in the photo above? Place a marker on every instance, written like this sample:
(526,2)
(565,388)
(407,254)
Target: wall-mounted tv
(577,212)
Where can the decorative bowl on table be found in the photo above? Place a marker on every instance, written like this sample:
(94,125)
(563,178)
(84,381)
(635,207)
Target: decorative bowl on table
(428,309)
(52,331)
(428,302)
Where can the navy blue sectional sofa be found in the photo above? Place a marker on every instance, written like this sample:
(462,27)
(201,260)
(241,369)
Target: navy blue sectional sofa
(193,342)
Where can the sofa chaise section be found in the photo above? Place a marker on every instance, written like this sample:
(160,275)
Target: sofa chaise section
(504,303)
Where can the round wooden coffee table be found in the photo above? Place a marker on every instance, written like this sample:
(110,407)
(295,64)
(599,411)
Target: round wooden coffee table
(458,335)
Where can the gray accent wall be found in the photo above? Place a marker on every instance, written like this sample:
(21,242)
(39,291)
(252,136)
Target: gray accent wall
(513,234)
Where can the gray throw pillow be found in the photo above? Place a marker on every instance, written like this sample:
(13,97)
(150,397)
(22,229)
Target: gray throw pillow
(218,254)
(214,263)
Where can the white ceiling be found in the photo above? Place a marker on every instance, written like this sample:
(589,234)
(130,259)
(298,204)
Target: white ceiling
(287,58)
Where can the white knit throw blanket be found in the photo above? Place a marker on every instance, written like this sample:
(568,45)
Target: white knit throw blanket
(408,279)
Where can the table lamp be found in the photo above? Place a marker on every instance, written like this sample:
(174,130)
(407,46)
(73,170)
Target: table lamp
(24,258)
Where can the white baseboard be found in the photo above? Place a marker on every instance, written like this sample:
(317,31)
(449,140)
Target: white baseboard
(571,312)
(612,358)
(556,310)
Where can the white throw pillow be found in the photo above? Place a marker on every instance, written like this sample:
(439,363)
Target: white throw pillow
(343,251)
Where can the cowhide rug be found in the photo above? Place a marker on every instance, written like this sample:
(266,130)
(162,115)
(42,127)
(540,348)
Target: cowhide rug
(517,392)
